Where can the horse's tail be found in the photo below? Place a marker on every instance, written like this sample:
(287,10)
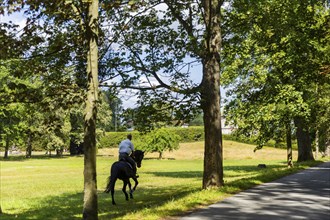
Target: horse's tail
(108,188)
(112,179)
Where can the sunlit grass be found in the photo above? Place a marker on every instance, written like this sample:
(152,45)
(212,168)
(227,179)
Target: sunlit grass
(52,188)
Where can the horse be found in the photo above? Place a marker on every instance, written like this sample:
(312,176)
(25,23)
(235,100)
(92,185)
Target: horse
(123,170)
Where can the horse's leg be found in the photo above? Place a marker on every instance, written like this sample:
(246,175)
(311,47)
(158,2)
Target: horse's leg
(130,189)
(124,189)
(112,189)
(112,181)
(136,183)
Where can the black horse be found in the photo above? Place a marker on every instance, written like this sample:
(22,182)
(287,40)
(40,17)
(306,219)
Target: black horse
(123,170)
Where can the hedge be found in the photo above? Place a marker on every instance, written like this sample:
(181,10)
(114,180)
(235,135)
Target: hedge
(190,134)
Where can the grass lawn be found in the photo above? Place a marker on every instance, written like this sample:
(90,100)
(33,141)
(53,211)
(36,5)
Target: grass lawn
(52,188)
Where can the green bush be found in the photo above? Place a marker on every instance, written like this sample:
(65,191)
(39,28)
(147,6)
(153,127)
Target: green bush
(160,140)
(112,139)
(189,134)
(239,138)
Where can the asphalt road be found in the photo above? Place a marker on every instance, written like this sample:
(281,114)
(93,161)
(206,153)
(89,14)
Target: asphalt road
(305,195)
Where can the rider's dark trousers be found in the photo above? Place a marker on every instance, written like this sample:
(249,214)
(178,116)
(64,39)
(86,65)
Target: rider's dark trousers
(128,159)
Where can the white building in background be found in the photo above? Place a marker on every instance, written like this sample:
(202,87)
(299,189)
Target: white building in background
(226,129)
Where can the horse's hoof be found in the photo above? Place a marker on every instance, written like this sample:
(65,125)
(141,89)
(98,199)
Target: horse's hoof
(113,203)
(131,196)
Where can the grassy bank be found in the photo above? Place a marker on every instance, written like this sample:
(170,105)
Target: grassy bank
(52,188)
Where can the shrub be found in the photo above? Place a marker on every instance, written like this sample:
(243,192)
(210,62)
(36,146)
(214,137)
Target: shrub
(161,140)
(189,134)
(112,139)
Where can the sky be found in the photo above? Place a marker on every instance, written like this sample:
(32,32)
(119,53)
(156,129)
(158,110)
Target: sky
(16,18)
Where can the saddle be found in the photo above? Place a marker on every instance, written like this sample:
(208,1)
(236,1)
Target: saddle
(130,167)
(126,161)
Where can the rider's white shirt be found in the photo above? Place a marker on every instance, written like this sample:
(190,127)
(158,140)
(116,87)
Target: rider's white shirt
(126,146)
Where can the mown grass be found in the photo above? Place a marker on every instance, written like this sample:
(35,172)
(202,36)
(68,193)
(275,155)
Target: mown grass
(52,188)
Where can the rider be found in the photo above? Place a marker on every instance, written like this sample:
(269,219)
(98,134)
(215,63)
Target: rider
(126,147)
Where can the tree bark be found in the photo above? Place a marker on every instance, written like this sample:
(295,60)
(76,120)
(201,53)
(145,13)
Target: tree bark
(90,207)
(304,142)
(327,142)
(316,144)
(6,148)
(327,150)
(289,144)
(210,97)
(28,152)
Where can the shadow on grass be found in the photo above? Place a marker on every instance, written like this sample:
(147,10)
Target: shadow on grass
(67,206)
(237,171)
(144,198)
(181,174)
(70,206)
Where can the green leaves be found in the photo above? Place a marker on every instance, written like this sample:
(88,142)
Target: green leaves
(273,68)
(15,89)
(159,140)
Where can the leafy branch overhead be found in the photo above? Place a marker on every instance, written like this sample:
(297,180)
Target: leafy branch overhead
(151,52)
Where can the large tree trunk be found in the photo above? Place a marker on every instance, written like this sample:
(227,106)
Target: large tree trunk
(210,94)
(304,142)
(90,211)
(327,150)
(289,144)
(316,144)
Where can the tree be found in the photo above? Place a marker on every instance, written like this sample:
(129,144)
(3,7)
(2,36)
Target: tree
(10,126)
(198,121)
(40,67)
(324,118)
(77,130)
(14,101)
(160,140)
(274,65)
(46,100)
(90,185)
(155,53)
(60,49)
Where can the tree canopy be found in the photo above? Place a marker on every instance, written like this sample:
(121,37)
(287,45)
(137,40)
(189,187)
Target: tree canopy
(274,53)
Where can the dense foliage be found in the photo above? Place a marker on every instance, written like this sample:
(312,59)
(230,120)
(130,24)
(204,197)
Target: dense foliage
(275,54)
